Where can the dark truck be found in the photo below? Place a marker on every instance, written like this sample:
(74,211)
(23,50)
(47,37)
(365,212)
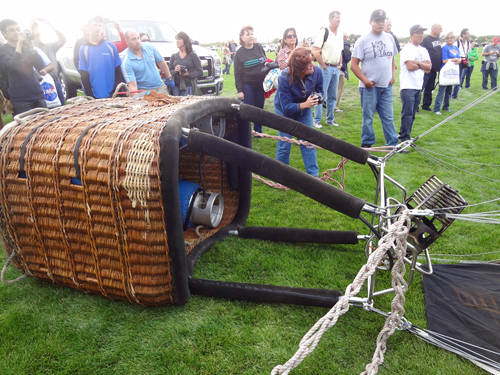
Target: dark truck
(162,36)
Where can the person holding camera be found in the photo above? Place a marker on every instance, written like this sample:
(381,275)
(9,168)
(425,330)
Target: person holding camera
(300,88)
(186,67)
(18,57)
(490,64)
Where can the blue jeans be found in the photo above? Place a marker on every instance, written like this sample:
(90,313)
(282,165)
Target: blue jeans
(330,84)
(410,99)
(308,154)
(467,76)
(377,99)
(59,90)
(254,95)
(463,73)
(186,92)
(428,88)
(443,92)
(493,73)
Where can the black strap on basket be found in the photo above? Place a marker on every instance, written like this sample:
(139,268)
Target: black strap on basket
(22,173)
(77,147)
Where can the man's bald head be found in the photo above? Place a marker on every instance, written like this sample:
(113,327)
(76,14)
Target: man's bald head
(436,30)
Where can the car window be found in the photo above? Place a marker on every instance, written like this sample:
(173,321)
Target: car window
(157,31)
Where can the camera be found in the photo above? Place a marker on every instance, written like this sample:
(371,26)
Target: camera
(29,35)
(183,69)
(318,96)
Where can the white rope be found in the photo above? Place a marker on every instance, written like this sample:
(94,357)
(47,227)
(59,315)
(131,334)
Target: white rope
(4,270)
(458,113)
(396,238)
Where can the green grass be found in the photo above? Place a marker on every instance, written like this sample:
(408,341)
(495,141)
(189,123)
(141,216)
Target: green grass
(46,329)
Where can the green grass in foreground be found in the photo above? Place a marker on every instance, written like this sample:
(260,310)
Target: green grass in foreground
(46,329)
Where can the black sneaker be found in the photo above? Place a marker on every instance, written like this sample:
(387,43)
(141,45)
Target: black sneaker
(366,146)
(427,109)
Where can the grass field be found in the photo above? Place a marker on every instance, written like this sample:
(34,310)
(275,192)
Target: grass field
(46,329)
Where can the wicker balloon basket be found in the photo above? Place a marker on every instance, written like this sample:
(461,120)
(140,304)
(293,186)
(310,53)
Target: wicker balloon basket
(121,197)
(89,196)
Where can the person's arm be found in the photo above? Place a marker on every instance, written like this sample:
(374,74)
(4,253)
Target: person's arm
(132,86)
(122,44)
(318,57)
(164,67)
(196,62)
(87,87)
(359,73)
(238,75)
(61,39)
(416,65)
(282,59)
(393,73)
(48,69)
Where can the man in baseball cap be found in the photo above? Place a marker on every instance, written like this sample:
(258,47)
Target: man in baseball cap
(376,51)
(491,54)
(415,62)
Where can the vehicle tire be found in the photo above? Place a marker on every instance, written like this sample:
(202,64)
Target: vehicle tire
(69,89)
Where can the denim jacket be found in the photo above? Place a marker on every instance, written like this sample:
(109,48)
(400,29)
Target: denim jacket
(288,98)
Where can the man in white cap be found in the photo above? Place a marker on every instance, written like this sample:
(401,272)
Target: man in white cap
(415,62)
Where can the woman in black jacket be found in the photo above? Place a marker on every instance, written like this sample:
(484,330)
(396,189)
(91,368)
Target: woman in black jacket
(186,66)
(249,60)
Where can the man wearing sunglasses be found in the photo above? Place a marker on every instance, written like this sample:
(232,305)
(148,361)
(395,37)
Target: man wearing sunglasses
(18,57)
(327,50)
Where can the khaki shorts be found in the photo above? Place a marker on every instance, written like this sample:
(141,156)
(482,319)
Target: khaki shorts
(161,90)
(4,103)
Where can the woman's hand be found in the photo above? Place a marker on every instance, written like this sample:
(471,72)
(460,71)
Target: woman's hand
(309,103)
(241,96)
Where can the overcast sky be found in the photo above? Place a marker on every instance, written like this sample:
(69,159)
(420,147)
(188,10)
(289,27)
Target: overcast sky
(213,21)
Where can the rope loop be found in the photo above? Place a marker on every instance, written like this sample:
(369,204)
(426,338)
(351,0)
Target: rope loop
(22,117)
(117,90)
(6,266)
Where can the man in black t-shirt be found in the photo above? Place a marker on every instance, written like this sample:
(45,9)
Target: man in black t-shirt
(432,43)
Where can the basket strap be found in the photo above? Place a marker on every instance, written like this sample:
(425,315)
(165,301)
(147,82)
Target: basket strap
(22,173)
(77,147)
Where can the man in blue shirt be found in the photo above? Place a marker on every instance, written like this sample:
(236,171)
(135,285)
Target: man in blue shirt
(100,64)
(139,65)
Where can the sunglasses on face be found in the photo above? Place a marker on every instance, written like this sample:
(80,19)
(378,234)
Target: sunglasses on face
(145,40)
(291,36)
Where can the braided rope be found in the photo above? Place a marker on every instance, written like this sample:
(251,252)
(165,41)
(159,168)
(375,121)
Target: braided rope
(80,99)
(21,118)
(396,238)
(4,270)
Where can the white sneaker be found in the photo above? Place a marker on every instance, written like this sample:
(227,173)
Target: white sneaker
(438,113)
(332,123)
(317,125)
(338,110)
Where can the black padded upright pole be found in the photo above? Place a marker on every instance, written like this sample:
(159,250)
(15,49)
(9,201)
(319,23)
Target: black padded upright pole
(299,130)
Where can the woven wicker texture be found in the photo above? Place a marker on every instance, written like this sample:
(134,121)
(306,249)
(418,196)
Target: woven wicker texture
(106,236)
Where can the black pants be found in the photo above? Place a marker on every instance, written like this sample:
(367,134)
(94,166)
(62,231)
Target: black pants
(428,88)
(25,105)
